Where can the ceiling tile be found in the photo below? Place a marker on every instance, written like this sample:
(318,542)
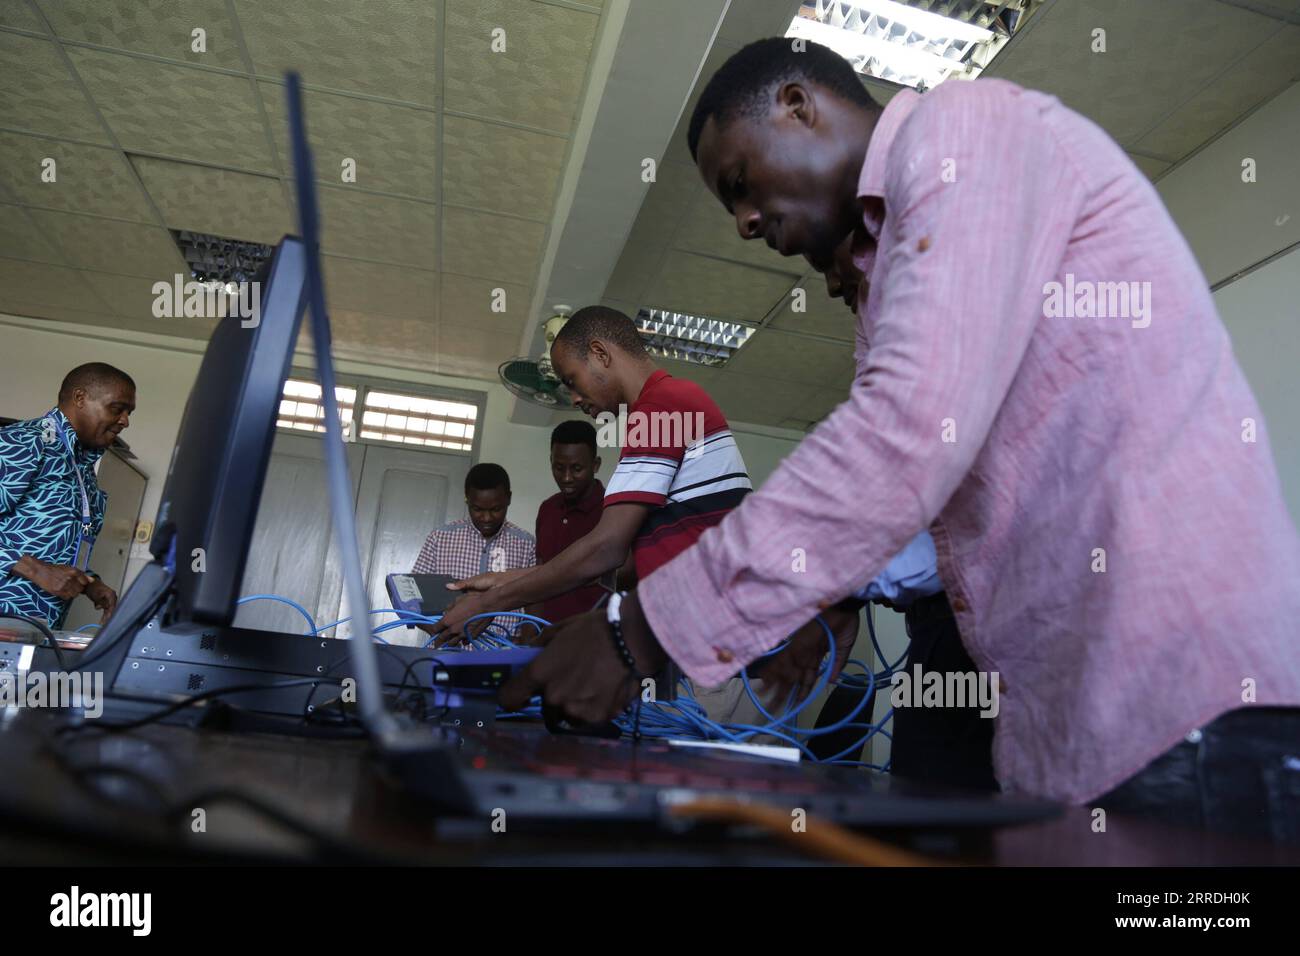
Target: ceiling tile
(87,178)
(394,148)
(822,315)
(678,150)
(774,355)
(674,192)
(819,403)
(217,201)
(756,399)
(380,47)
(492,247)
(367,226)
(636,266)
(20,17)
(160,27)
(40,289)
(709,229)
(712,287)
(43,96)
(376,287)
(536,80)
(126,296)
(385,334)
(468,301)
(20,239)
(749,20)
(1151,168)
(500,168)
(466,350)
(131,298)
(176,111)
(1157,53)
(1265,71)
(108,245)
(197,330)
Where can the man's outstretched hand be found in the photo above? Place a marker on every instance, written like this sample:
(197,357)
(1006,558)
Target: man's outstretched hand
(580,673)
(451,628)
(487,580)
(481,594)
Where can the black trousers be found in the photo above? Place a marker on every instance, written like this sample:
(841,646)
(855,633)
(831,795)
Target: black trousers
(945,745)
(1239,775)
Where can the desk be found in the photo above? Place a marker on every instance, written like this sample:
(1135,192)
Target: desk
(47,816)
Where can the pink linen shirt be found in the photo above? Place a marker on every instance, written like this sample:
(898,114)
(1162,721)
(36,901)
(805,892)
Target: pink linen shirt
(1103,498)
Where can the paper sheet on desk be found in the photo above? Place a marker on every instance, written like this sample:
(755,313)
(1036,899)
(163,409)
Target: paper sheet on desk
(788,754)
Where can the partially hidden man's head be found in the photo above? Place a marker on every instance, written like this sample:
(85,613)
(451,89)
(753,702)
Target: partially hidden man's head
(779,137)
(98,400)
(842,275)
(574,461)
(595,355)
(487,496)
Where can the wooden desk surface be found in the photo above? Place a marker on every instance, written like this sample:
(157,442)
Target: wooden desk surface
(51,815)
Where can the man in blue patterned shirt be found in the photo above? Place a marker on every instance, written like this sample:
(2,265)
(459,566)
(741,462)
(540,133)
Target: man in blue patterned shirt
(51,506)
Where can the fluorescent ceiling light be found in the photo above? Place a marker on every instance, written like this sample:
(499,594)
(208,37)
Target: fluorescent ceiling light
(691,338)
(219,261)
(903,43)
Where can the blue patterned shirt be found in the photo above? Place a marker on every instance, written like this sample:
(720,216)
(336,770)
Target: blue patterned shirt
(40,508)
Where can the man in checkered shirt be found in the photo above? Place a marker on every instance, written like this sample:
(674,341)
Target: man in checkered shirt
(484,541)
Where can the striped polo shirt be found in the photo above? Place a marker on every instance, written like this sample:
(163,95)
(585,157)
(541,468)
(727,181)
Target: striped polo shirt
(679,456)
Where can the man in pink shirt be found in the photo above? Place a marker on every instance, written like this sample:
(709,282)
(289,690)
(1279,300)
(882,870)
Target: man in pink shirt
(1048,389)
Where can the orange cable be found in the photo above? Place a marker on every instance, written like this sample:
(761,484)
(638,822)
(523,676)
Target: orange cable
(820,837)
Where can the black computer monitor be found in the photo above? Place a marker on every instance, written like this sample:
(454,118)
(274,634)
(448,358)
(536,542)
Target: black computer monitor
(214,482)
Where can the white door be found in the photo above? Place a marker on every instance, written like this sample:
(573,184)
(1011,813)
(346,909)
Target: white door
(404,495)
(399,494)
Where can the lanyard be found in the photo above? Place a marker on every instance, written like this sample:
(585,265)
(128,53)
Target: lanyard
(84,537)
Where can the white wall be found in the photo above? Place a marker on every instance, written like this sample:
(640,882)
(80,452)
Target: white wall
(1262,313)
(1231,225)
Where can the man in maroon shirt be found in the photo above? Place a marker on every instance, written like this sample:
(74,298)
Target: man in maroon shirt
(575,510)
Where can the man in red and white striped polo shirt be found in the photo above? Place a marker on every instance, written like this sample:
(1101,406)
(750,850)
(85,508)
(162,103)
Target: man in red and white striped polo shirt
(678,474)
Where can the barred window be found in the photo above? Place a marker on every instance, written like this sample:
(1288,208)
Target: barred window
(301,408)
(416,420)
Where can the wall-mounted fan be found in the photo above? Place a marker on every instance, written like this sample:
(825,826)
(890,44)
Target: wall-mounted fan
(534,380)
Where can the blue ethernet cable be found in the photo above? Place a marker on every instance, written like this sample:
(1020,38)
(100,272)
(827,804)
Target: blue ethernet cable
(283,600)
(400,612)
(685,717)
(493,615)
